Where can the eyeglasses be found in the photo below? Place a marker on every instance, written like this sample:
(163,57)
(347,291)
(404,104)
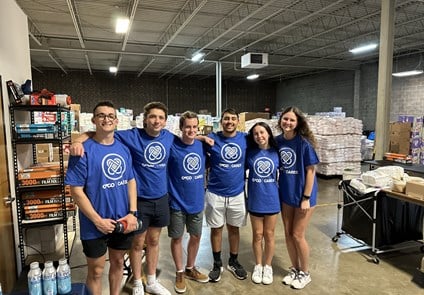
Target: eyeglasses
(104,116)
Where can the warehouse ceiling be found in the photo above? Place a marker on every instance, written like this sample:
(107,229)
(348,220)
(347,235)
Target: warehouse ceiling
(300,37)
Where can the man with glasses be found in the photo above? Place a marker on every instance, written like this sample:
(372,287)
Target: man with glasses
(104,188)
(150,147)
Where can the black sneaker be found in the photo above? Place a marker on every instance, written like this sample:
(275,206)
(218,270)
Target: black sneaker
(215,273)
(237,269)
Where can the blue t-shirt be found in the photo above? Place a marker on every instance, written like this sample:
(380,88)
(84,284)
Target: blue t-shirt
(104,172)
(262,186)
(295,155)
(227,158)
(150,156)
(186,166)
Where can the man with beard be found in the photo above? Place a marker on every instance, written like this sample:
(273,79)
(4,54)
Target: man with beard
(225,200)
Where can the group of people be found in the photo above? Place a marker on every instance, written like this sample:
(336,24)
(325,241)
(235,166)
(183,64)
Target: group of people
(152,175)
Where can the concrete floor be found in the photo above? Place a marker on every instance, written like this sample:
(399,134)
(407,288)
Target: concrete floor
(344,267)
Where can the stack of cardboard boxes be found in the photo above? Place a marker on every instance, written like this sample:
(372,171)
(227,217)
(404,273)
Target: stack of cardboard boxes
(399,138)
(246,116)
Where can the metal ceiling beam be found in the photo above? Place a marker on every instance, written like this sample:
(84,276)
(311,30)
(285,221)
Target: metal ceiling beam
(132,12)
(34,32)
(56,62)
(229,23)
(88,63)
(169,71)
(152,59)
(76,21)
(278,31)
(180,21)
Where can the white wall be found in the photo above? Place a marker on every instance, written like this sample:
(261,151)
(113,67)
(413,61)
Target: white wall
(15,64)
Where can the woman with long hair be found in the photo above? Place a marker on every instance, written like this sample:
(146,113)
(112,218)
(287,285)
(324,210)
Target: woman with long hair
(298,190)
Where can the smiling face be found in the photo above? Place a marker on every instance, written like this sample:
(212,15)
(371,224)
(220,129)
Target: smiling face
(261,137)
(189,129)
(288,123)
(105,119)
(155,121)
(229,123)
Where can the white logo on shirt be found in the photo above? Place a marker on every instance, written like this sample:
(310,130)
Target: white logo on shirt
(154,153)
(231,152)
(192,163)
(113,166)
(287,157)
(263,167)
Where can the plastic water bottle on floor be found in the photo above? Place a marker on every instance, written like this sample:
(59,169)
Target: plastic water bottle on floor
(49,279)
(63,277)
(34,279)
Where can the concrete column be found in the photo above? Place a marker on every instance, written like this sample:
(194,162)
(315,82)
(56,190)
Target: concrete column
(384,77)
(356,92)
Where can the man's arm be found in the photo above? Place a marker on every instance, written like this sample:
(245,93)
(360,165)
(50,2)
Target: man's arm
(132,200)
(77,149)
(106,226)
(205,139)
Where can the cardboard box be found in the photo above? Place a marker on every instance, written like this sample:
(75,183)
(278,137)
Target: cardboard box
(400,127)
(415,188)
(43,239)
(246,116)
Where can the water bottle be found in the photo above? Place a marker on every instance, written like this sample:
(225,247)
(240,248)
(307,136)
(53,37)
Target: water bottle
(34,279)
(49,279)
(63,277)
(1,292)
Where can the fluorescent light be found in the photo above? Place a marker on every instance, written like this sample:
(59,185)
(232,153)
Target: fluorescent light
(122,25)
(252,77)
(364,48)
(197,56)
(113,69)
(408,73)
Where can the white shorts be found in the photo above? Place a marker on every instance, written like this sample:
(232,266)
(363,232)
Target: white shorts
(225,210)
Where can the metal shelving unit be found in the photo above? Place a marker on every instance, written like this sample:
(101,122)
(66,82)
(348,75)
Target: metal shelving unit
(59,137)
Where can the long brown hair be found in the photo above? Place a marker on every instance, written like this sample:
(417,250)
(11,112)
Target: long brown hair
(302,127)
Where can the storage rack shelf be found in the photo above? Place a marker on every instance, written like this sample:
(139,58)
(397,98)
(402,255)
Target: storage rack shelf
(61,135)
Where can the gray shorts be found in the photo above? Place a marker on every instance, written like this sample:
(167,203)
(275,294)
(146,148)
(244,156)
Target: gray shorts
(225,210)
(180,219)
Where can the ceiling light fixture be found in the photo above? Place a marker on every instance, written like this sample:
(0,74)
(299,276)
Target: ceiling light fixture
(252,77)
(122,25)
(113,69)
(364,48)
(198,56)
(408,73)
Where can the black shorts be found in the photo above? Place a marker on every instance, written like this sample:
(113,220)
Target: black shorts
(153,212)
(256,214)
(97,247)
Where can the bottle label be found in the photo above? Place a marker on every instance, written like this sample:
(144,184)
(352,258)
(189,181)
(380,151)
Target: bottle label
(34,287)
(49,286)
(34,284)
(64,284)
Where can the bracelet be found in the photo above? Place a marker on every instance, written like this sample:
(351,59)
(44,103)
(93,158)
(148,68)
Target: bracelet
(306,197)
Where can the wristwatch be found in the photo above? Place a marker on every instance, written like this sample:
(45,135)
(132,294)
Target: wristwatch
(306,197)
(133,213)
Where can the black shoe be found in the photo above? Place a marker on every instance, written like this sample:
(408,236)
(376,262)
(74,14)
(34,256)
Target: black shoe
(215,273)
(237,269)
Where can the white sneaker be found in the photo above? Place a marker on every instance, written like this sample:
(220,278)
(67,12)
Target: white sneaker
(288,279)
(257,274)
(157,289)
(138,290)
(301,280)
(267,277)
